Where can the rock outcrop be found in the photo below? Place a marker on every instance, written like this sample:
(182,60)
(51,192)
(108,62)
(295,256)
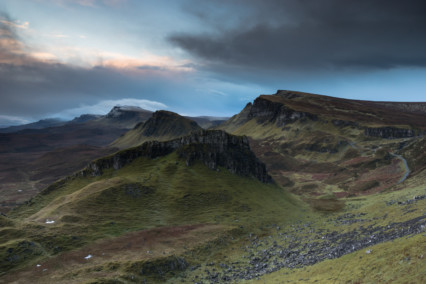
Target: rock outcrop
(214,148)
(268,111)
(389,132)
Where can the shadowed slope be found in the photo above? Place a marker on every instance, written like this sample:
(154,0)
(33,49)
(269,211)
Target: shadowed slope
(162,126)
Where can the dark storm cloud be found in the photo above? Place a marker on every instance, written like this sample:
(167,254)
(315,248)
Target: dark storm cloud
(309,35)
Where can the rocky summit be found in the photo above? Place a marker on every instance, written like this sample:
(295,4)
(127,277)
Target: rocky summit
(214,148)
(126,112)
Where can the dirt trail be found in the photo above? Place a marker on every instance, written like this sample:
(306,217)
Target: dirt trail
(407,169)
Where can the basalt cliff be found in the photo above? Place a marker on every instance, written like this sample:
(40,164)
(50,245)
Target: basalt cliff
(214,148)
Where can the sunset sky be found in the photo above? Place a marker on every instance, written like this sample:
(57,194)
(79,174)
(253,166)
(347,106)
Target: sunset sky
(63,58)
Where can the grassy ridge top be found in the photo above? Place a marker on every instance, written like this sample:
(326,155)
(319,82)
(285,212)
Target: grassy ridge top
(157,192)
(162,126)
(370,113)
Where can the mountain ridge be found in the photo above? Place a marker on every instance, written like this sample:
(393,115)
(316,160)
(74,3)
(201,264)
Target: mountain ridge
(298,134)
(214,148)
(368,112)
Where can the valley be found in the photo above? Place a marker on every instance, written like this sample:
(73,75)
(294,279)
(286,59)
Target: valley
(296,188)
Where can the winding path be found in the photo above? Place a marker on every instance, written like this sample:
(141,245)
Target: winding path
(407,170)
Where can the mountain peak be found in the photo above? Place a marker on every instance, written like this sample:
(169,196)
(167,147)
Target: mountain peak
(167,123)
(164,113)
(120,111)
(162,125)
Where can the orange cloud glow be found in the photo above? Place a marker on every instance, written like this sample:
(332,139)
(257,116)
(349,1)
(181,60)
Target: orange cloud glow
(18,25)
(149,62)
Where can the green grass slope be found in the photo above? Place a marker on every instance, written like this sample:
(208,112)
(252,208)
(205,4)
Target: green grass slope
(156,192)
(73,215)
(162,126)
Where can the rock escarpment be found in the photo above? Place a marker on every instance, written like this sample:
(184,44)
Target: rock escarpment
(214,148)
(268,111)
(390,132)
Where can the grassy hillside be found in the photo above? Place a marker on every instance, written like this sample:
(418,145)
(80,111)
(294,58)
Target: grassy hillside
(309,149)
(143,195)
(162,126)
(158,220)
(195,209)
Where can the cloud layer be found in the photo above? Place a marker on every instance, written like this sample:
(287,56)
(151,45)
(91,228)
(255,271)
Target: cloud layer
(310,35)
(33,86)
(105,106)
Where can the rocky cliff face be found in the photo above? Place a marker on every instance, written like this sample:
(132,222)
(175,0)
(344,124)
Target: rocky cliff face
(214,148)
(265,110)
(389,132)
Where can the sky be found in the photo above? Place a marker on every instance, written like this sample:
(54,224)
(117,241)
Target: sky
(64,58)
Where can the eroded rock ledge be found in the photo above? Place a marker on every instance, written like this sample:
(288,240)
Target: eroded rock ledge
(391,132)
(265,110)
(214,148)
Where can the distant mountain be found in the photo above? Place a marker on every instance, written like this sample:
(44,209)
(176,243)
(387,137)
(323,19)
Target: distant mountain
(43,123)
(163,125)
(85,118)
(123,117)
(36,157)
(87,129)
